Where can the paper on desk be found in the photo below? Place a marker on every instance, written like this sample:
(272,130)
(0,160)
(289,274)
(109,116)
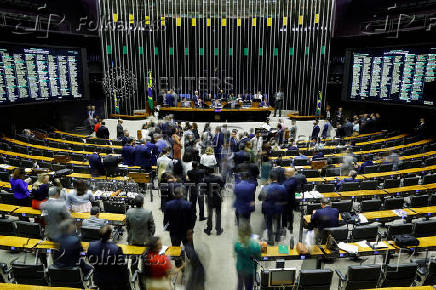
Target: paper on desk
(163,250)
(348,248)
(363,244)
(379,245)
(400,212)
(363,219)
(4,166)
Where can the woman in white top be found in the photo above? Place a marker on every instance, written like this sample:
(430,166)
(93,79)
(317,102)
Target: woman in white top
(145,131)
(80,198)
(208,158)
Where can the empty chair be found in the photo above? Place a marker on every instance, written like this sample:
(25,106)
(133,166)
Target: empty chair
(77,157)
(349,186)
(28,230)
(369,185)
(399,275)
(76,147)
(370,205)
(117,142)
(391,183)
(398,229)
(325,187)
(114,207)
(429,178)
(306,187)
(415,163)
(26,163)
(333,172)
(335,159)
(57,167)
(367,232)
(48,153)
(419,201)
(4,176)
(370,169)
(301,162)
(8,198)
(386,167)
(405,165)
(89,234)
(65,277)
(339,233)
(393,203)
(292,153)
(427,271)
(410,181)
(7,227)
(314,279)
(343,206)
(425,228)
(80,169)
(310,173)
(430,161)
(360,277)
(433,199)
(30,274)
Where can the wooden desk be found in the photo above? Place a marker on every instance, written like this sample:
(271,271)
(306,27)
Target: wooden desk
(83,144)
(381,140)
(360,193)
(8,242)
(71,134)
(11,286)
(410,188)
(89,176)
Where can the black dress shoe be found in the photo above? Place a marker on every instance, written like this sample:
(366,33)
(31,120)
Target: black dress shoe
(207,232)
(202,219)
(219,232)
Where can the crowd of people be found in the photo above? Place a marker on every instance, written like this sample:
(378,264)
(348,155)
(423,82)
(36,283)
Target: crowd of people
(194,170)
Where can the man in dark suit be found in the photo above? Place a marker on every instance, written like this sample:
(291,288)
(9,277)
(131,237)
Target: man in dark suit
(143,157)
(70,248)
(120,130)
(110,267)
(128,153)
(218,142)
(196,176)
(348,128)
(273,197)
(95,165)
(325,217)
(290,184)
(212,191)
(315,130)
(103,131)
(179,217)
(234,141)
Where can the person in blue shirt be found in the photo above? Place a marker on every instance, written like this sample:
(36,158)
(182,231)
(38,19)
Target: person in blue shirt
(244,198)
(96,165)
(170,99)
(366,162)
(318,154)
(325,217)
(128,153)
(20,187)
(273,197)
(315,130)
(326,129)
(152,148)
(351,178)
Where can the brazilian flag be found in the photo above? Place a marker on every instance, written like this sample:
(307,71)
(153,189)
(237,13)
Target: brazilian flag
(150,92)
(318,105)
(117,105)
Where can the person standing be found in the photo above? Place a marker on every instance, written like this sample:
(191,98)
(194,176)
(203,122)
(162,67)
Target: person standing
(214,186)
(315,130)
(246,250)
(195,269)
(128,153)
(293,130)
(143,157)
(54,211)
(196,176)
(278,105)
(91,118)
(120,130)
(290,184)
(109,262)
(179,217)
(273,197)
(326,130)
(244,192)
(96,165)
(177,145)
(102,131)
(218,141)
(139,222)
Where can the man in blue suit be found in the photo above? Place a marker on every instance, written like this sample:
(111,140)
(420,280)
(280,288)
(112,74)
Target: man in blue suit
(218,142)
(273,197)
(325,217)
(366,162)
(244,197)
(234,141)
(96,165)
(315,130)
(143,157)
(128,153)
(110,267)
(153,149)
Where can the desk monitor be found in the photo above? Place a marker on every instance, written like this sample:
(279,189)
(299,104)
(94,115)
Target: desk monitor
(282,277)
